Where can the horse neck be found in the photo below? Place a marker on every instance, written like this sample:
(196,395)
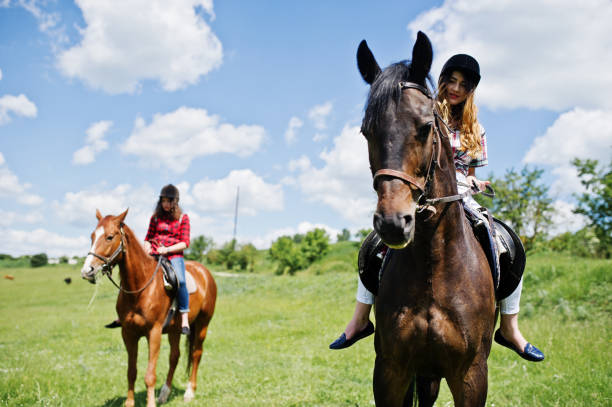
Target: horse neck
(136,266)
(432,235)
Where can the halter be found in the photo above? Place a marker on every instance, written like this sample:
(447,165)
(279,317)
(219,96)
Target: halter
(109,263)
(424,202)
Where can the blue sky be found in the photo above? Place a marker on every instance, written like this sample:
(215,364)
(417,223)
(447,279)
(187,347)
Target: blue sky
(103,103)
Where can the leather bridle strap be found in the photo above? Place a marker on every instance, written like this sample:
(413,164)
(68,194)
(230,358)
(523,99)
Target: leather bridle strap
(401,175)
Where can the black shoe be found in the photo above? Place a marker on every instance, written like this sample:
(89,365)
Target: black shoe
(530,353)
(342,342)
(185,330)
(114,324)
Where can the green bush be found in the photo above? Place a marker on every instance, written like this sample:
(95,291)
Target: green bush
(39,260)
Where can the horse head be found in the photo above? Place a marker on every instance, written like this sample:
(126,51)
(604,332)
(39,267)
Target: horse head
(398,125)
(107,244)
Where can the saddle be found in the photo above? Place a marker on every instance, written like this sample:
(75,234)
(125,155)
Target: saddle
(373,256)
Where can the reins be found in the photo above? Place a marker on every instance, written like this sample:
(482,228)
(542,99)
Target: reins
(109,263)
(424,203)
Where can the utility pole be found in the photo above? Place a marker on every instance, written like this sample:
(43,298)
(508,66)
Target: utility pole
(236,212)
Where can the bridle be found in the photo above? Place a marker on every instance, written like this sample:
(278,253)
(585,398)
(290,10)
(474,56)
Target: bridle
(110,262)
(423,202)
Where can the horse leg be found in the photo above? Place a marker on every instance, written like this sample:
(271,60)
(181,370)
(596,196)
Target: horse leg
(131,345)
(390,383)
(174,338)
(427,390)
(470,389)
(154,338)
(196,356)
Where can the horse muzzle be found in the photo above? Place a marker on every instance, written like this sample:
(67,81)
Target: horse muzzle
(89,273)
(396,230)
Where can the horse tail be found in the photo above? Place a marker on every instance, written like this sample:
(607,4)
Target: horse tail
(189,347)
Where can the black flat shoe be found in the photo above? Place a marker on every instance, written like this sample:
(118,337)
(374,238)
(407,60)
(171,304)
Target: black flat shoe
(342,342)
(185,330)
(530,353)
(114,324)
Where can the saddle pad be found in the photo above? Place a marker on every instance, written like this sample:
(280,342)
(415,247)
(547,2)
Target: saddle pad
(190,282)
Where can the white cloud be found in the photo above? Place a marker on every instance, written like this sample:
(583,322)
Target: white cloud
(265,241)
(8,218)
(18,105)
(191,133)
(0,74)
(255,194)
(319,137)
(127,42)
(12,188)
(344,183)
(564,220)
(94,143)
(319,113)
(532,53)
(20,242)
(294,124)
(48,22)
(79,208)
(578,133)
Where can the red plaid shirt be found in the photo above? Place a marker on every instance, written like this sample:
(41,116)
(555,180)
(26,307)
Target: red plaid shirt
(166,232)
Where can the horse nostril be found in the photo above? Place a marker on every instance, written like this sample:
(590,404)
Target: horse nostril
(407,219)
(91,269)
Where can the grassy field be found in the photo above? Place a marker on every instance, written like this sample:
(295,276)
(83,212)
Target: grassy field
(267,343)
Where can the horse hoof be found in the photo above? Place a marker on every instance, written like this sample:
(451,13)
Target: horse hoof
(164,393)
(189,394)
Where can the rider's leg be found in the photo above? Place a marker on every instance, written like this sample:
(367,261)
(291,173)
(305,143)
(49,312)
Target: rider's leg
(178,263)
(509,309)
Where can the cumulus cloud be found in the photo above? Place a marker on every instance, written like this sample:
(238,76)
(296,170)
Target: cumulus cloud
(344,182)
(191,133)
(319,113)
(20,242)
(11,187)
(124,43)
(8,218)
(79,208)
(532,53)
(17,105)
(255,194)
(294,124)
(578,133)
(565,220)
(94,143)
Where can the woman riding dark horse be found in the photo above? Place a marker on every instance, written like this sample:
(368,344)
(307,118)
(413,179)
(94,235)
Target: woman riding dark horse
(435,309)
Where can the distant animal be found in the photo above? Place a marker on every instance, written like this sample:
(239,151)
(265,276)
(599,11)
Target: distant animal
(9,277)
(67,280)
(143,304)
(435,309)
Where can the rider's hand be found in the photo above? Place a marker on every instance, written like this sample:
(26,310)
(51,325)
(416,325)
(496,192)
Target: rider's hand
(475,182)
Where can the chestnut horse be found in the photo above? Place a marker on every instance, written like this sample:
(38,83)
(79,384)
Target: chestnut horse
(142,304)
(435,309)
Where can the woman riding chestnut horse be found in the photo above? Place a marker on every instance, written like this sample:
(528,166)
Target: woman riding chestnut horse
(143,304)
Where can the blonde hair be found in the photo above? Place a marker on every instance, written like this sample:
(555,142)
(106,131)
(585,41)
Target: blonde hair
(466,115)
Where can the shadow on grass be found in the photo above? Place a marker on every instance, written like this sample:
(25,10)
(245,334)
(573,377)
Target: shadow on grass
(140,398)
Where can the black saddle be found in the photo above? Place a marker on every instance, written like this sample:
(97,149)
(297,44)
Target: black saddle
(511,261)
(171,282)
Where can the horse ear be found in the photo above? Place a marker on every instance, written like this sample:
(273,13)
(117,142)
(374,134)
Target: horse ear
(98,214)
(121,217)
(422,55)
(367,63)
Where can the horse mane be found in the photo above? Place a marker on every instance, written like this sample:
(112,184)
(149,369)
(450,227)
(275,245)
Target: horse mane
(385,90)
(132,242)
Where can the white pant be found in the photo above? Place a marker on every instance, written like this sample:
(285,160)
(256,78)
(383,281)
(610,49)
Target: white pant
(509,305)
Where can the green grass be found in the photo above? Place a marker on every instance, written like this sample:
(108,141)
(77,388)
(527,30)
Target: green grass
(267,343)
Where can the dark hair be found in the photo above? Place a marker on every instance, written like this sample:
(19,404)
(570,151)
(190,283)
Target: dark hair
(168,192)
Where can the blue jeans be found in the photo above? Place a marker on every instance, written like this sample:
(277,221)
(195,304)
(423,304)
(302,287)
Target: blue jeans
(178,263)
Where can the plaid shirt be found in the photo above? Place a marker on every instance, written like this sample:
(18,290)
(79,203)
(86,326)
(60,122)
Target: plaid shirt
(166,232)
(462,160)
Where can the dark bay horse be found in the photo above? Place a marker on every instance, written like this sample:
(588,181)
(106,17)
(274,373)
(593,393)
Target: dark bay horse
(142,304)
(435,309)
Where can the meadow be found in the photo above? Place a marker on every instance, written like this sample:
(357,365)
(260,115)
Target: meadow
(268,341)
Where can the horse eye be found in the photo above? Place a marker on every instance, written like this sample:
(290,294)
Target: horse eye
(424,130)
(109,237)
